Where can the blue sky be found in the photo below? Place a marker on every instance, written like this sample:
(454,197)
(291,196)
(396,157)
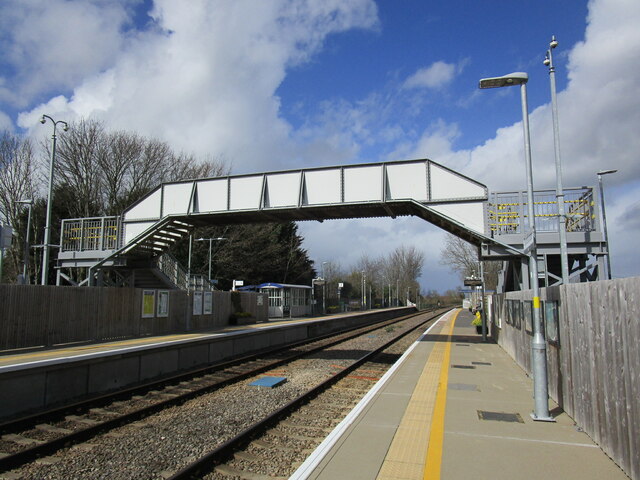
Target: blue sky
(270,85)
(480,38)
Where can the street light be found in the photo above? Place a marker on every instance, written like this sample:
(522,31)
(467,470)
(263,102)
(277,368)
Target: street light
(562,219)
(363,284)
(397,292)
(538,346)
(25,265)
(604,217)
(324,289)
(47,228)
(210,240)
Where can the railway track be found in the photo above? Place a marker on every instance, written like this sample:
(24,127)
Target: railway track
(274,446)
(44,442)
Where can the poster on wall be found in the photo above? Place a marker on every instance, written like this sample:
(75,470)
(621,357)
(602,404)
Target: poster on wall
(163,303)
(208,303)
(197,303)
(148,303)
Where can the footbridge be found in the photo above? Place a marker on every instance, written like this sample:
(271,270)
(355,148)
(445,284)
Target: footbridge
(147,229)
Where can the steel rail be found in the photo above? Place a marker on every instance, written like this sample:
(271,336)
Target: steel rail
(205,464)
(30,454)
(102,400)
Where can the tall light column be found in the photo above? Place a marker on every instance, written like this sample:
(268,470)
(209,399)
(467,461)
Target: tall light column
(210,240)
(47,228)
(324,290)
(25,265)
(562,218)
(538,344)
(604,218)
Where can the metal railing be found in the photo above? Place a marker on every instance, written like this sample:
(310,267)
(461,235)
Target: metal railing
(507,211)
(97,233)
(175,272)
(180,277)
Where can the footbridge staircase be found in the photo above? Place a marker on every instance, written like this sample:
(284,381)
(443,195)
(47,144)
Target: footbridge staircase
(135,247)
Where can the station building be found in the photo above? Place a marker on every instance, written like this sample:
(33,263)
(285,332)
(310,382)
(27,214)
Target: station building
(285,300)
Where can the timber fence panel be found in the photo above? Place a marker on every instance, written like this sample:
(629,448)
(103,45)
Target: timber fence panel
(612,421)
(565,328)
(629,315)
(594,369)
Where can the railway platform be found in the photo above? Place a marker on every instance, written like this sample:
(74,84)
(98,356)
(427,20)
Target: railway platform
(49,378)
(87,349)
(454,407)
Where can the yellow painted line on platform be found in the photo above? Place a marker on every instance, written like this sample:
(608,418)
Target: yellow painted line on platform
(406,456)
(62,352)
(436,439)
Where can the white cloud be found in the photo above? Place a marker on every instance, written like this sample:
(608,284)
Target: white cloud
(599,123)
(205,79)
(54,45)
(434,76)
(375,238)
(623,222)
(5,122)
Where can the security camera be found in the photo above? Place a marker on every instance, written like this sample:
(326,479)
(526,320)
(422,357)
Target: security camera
(42,120)
(554,42)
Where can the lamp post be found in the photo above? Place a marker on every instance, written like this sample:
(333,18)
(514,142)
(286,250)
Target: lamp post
(538,345)
(210,240)
(604,218)
(363,284)
(562,218)
(47,228)
(25,264)
(324,290)
(397,292)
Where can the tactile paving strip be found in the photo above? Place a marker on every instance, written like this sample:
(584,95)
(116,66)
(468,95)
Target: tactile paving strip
(406,456)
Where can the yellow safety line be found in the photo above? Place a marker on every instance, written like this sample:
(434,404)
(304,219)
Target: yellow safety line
(436,439)
(406,455)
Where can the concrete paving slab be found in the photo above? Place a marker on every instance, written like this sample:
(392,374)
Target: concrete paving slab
(472,447)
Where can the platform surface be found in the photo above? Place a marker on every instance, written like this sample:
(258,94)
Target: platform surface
(455,408)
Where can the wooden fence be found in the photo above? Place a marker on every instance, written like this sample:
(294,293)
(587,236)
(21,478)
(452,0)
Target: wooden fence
(34,316)
(593,356)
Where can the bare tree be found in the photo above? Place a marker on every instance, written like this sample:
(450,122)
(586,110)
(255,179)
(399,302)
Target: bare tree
(16,183)
(404,266)
(399,270)
(462,257)
(78,168)
(116,161)
(104,172)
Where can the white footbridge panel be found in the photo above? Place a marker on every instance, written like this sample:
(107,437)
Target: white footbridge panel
(364,190)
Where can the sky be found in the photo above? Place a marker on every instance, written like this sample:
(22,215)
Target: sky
(282,84)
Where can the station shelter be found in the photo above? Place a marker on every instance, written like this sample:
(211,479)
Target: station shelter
(285,300)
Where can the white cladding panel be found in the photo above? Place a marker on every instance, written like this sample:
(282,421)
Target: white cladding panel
(448,185)
(132,230)
(283,190)
(471,215)
(323,186)
(407,181)
(363,184)
(212,195)
(245,192)
(176,198)
(147,208)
